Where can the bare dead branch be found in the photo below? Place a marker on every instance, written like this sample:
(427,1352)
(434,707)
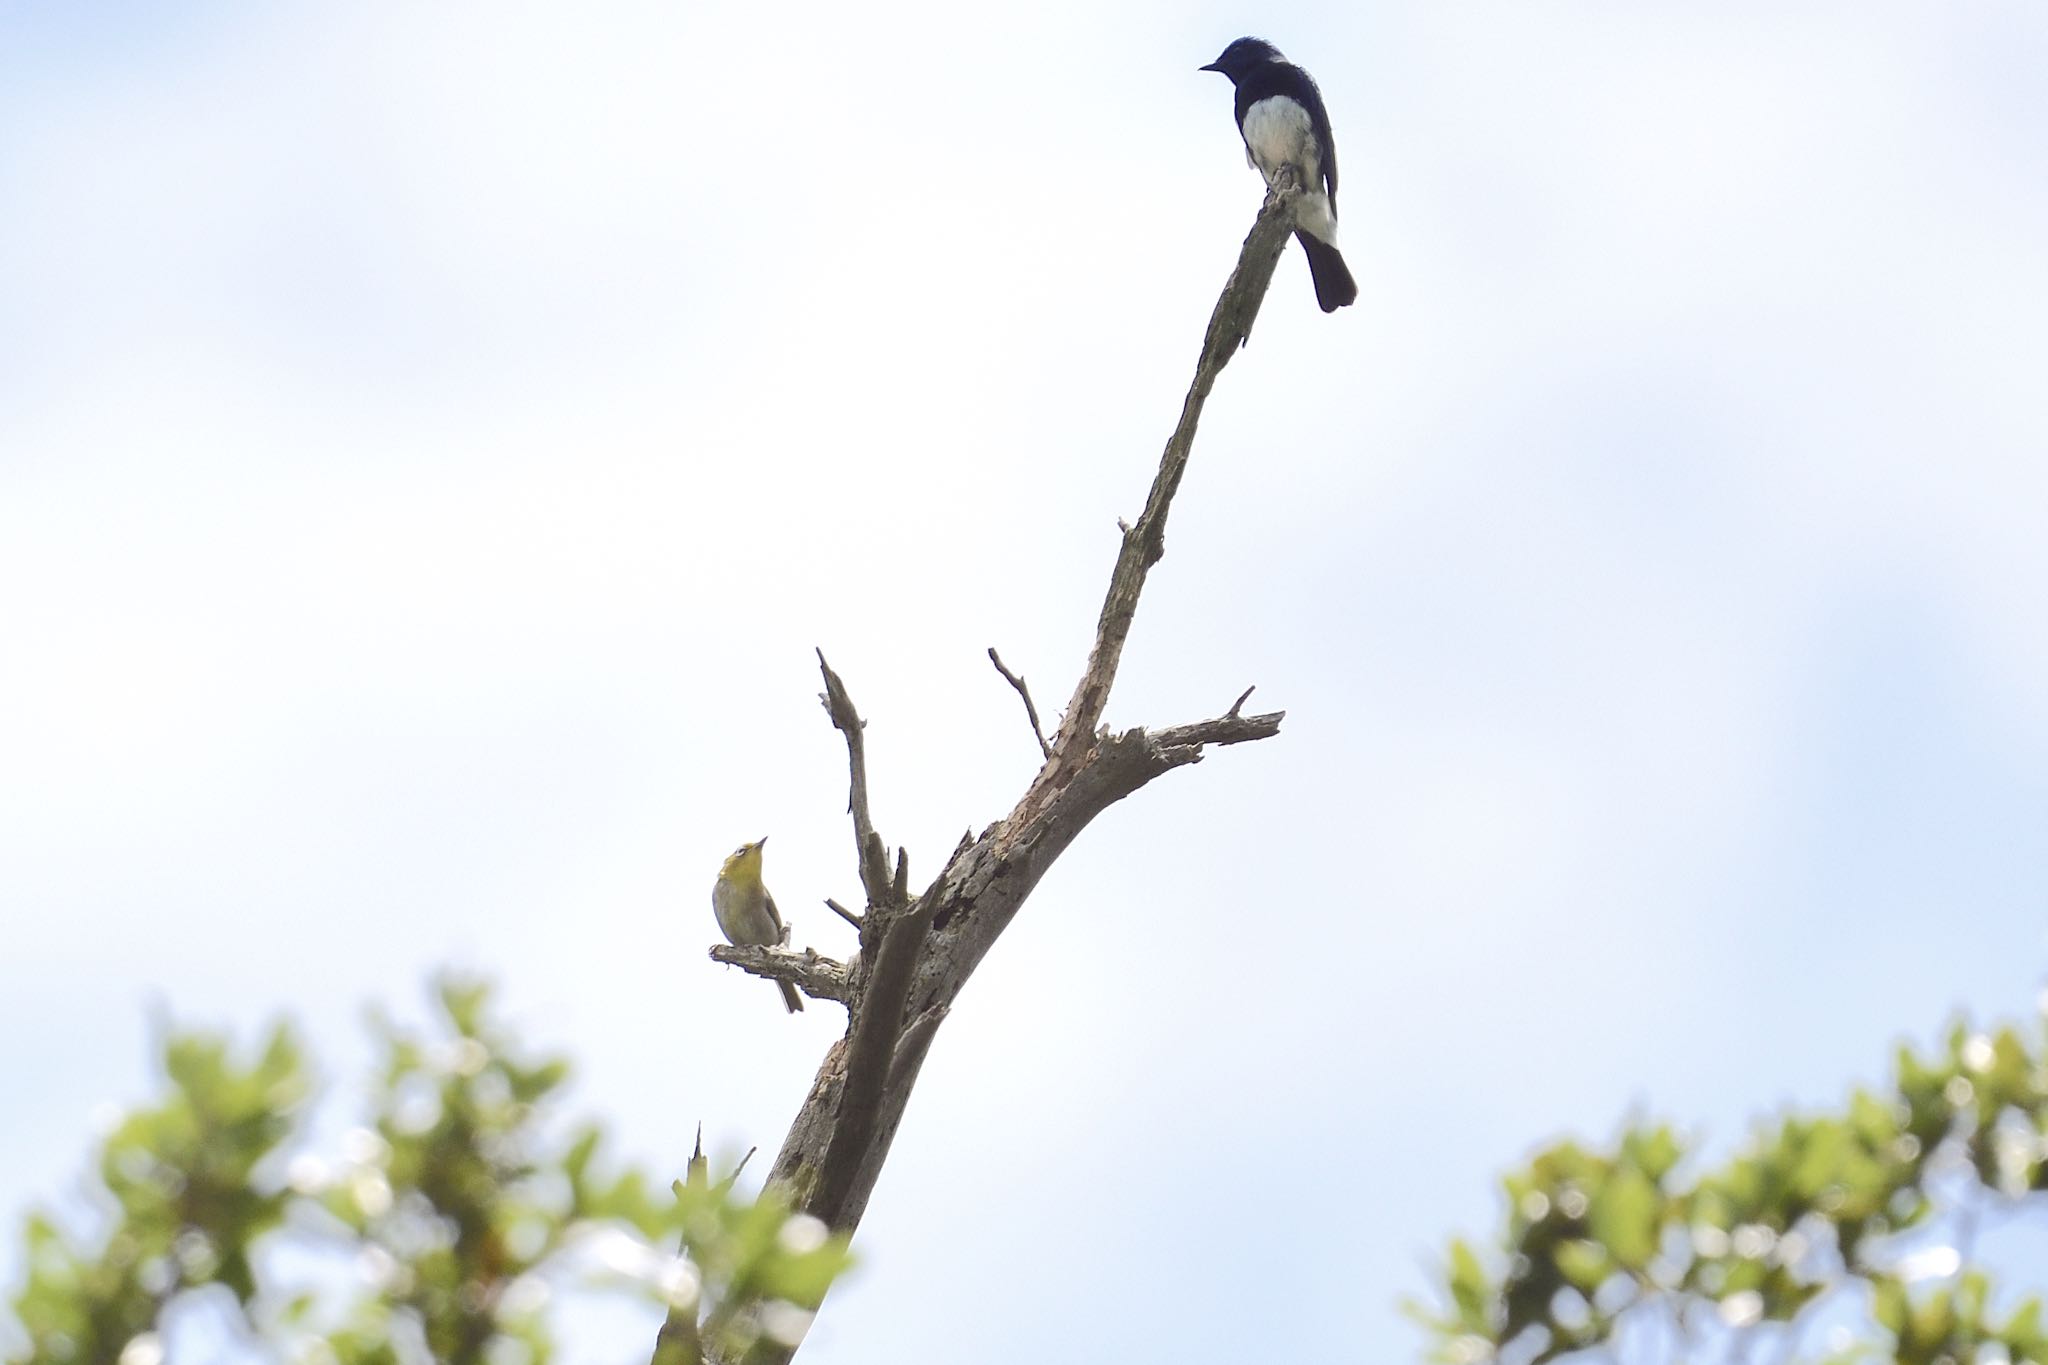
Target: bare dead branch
(843,912)
(1242,698)
(812,973)
(1229,729)
(917,955)
(1230,326)
(869,1055)
(1030,710)
(868,848)
(915,1042)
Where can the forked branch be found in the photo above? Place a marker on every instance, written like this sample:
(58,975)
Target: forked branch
(917,954)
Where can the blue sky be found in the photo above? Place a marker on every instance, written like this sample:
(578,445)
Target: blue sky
(432,442)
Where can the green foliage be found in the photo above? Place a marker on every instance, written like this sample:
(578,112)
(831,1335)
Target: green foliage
(188,1204)
(1875,1207)
(454,1202)
(763,1270)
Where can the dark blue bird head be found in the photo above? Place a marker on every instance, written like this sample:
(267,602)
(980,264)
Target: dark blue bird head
(1243,57)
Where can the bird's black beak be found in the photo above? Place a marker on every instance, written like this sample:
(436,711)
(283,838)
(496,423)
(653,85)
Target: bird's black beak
(1210,67)
(761,842)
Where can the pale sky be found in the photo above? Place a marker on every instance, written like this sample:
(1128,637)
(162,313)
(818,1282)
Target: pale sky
(434,438)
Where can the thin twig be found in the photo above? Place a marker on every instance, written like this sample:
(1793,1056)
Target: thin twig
(1242,698)
(1030,711)
(843,912)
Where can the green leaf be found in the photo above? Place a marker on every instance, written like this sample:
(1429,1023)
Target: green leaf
(1626,1216)
(1888,1303)
(576,1161)
(1656,1151)
(2022,1332)
(1470,1290)
(1586,1264)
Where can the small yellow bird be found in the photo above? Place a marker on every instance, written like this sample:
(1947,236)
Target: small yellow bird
(746,912)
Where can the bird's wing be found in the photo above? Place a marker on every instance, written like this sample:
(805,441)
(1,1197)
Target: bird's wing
(1303,87)
(775,918)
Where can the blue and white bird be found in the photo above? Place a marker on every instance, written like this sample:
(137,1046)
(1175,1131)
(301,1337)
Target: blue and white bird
(1280,113)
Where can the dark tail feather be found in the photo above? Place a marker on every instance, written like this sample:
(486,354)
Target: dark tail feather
(1334,285)
(790,998)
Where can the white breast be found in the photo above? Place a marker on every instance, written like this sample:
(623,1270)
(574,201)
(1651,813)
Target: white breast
(1277,133)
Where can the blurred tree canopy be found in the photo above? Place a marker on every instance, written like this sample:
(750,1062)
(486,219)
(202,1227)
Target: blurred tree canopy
(440,1229)
(1839,1237)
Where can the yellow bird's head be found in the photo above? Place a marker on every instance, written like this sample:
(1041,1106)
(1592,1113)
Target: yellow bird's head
(743,864)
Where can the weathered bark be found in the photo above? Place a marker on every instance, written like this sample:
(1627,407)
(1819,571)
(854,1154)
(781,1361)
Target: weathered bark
(916,954)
